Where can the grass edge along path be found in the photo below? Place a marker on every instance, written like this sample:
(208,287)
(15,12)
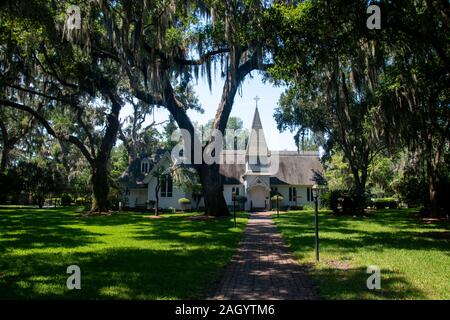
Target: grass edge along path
(412,254)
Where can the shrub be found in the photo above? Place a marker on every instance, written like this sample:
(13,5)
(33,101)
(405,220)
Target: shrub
(296,208)
(66,199)
(412,189)
(184,201)
(172,210)
(241,200)
(80,201)
(345,201)
(382,203)
(330,199)
(277,197)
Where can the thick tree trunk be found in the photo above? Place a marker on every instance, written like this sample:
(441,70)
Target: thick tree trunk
(157,188)
(432,189)
(215,204)
(40,201)
(100,187)
(433,199)
(5,158)
(360,188)
(6,146)
(100,184)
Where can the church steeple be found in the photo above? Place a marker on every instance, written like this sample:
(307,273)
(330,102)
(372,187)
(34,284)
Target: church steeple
(256,124)
(257,151)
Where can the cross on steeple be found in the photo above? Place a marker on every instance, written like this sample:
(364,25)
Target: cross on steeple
(257,99)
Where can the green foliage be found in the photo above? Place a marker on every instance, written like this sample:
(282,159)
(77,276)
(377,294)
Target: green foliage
(184,201)
(337,172)
(66,199)
(82,201)
(347,202)
(331,82)
(412,188)
(39,178)
(383,203)
(382,174)
(168,131)
(277,198)
(234,132)
(119,161)
(330,199)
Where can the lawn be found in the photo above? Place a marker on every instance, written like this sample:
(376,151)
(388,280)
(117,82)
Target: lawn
(122,256)
(413,255)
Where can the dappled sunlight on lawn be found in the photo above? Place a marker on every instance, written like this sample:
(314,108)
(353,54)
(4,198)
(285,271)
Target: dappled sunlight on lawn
(414,257)
(121,256)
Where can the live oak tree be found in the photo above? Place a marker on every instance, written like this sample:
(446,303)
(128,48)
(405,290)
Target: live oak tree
(331,82)
(14,126)
(235,136)
(388,85)
(157,41)
(40,177)
(137,137)
(56,75)
(416,84)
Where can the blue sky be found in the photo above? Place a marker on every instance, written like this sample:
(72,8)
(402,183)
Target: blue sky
(244,108)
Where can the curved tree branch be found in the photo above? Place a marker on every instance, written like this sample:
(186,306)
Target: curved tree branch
(70,138)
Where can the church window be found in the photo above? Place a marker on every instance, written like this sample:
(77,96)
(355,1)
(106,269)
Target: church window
(292,193)
(166,186)
(309,194)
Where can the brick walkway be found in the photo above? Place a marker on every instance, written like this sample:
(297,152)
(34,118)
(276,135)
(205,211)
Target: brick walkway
(263,267)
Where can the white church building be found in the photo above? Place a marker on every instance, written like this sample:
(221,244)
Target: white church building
(255,174)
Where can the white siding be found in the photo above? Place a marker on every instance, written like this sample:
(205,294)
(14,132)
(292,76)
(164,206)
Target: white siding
(301,195)
(228,190)
(166,202)
(137,197)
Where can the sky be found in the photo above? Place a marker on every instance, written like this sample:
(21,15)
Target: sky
(244,108)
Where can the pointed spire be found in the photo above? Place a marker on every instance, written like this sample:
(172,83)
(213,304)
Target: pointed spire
(256,124)
(257,147)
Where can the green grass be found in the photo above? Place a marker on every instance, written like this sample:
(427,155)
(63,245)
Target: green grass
(413,256)
(123,256)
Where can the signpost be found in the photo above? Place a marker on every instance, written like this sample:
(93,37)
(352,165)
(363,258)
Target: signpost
(315,193)
(234,207)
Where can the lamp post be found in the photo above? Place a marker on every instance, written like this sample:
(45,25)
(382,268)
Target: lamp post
(315,194)
(234,207)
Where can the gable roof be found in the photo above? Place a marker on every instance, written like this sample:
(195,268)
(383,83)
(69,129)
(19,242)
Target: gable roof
(294,169)
(133,177)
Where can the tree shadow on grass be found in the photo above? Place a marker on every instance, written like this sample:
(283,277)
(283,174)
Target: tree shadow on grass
(351,284)
(42,229)
(298,229)
(117,273)
(217,232)
(177,259)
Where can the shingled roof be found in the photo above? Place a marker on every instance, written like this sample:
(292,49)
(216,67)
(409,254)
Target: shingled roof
(294,168)
(133,176)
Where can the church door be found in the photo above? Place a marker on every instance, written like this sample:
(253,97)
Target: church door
(258,197)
